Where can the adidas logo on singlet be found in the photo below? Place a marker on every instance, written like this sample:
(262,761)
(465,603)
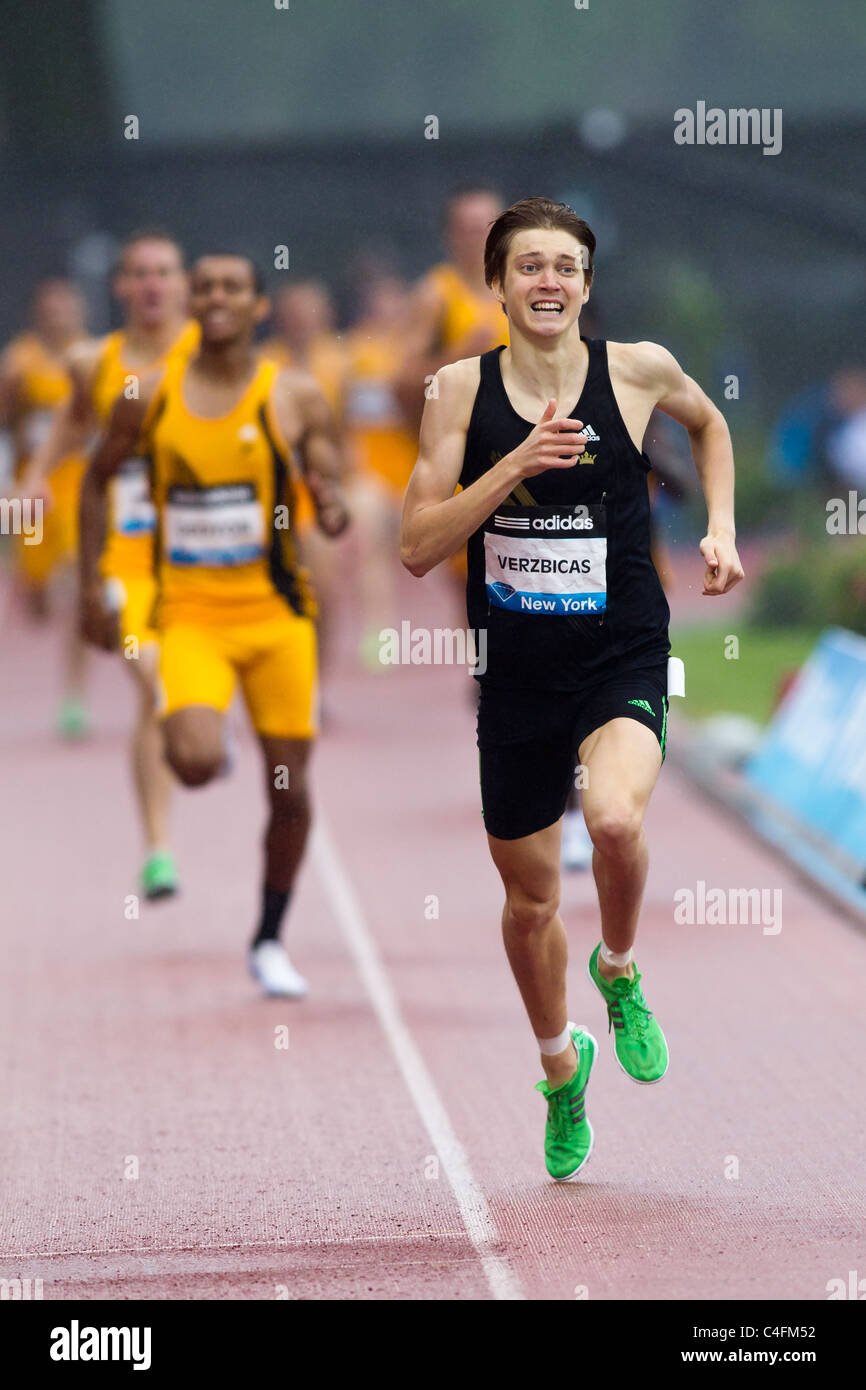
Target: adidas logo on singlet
(644,704)
(591,435)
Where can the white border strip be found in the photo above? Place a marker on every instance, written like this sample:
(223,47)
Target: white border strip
(479,1223)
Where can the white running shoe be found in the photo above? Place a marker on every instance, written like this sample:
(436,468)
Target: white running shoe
(576,844)
(269,964)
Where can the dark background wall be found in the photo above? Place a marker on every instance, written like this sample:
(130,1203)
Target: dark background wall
(305,127)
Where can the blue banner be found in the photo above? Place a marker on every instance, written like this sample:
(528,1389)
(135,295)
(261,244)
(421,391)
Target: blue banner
(812,760)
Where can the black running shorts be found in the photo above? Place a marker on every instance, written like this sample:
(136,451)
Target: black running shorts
(528,742)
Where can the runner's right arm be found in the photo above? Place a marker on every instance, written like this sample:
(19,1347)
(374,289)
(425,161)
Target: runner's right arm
(436,523)
(98,620)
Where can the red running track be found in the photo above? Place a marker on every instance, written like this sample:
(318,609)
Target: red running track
(393,1150)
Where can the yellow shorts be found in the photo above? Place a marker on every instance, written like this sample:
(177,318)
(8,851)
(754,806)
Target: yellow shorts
(135,595)
(274,661)
(389,456)
(457,565)
(38,562)
(59,541)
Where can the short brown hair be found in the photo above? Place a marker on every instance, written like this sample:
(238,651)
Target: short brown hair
(146,234)
(524,216)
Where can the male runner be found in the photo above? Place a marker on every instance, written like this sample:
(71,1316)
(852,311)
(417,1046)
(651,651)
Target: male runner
(302,335)
(556,516)
(33,384)
(302,322)
(150,284)
(453,314)
(381,448)
(233,604)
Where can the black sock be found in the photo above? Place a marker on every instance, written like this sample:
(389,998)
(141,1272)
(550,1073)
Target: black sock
(274,905)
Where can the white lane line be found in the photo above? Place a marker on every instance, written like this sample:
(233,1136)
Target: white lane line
(480,1226)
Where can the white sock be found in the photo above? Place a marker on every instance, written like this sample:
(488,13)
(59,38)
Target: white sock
(550,1047)
(619,959)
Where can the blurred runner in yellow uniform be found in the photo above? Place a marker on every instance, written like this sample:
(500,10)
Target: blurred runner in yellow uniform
(150,284)
(234,605)
(381,448)
(303,336)
(453,314)
(33,384)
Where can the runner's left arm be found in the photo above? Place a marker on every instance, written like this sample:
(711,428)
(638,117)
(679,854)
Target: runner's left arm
(307,420)
(10,385)
(682,398)
(98,620)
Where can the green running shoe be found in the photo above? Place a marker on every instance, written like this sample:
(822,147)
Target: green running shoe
(73,721)
(568,1135)
(639,1042)
(159,876)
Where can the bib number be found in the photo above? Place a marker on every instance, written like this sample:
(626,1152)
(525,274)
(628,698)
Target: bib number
(134,512)
(372,403)
(37,428)
(216,526)
(547,560)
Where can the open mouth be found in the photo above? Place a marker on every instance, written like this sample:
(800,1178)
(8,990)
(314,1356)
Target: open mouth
(547,306)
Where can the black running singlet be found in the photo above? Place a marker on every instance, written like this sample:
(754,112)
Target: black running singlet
(560,575)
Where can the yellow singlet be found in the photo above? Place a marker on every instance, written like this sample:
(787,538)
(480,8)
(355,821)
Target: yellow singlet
(466,311)
(43,386)
(224,493)
(128,550)
(382,443)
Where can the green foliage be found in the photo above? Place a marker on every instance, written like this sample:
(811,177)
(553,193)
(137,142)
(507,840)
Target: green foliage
(745,678)
(824,583)
(785,595)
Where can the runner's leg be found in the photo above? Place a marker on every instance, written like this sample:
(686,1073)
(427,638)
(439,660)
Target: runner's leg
(622,759)
(150,772)
(197,675)
(194,743)
(534,937)
(285,766)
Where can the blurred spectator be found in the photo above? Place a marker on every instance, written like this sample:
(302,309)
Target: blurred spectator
(845,443)
(820,435)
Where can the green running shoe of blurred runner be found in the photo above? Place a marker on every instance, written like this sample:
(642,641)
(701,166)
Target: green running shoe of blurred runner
(73,721)
(568,1135)
(639,1042)
(159,877)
